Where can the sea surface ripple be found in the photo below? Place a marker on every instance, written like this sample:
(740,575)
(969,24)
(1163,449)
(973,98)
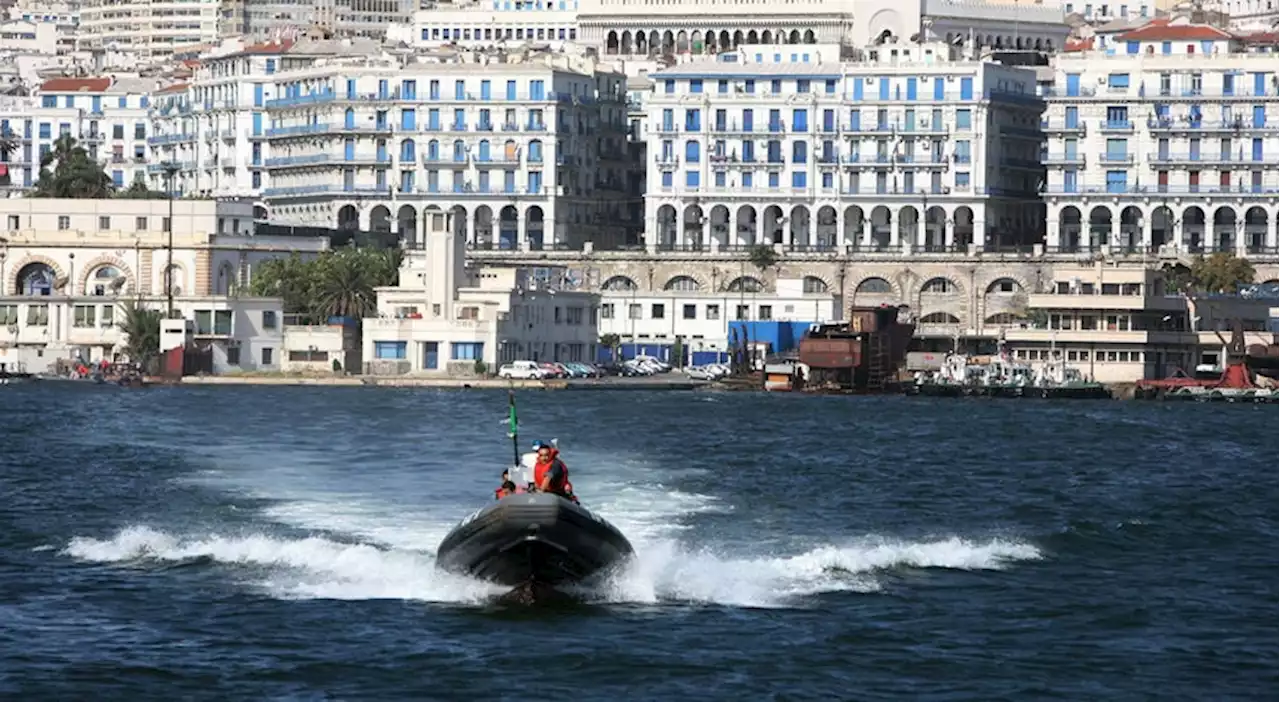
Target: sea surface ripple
(278,543)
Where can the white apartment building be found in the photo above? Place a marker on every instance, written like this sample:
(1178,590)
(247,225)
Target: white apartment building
(106,115)
(152,31)
(1111,10)
(63,18)
(204,128)
(266,19)
(911,147)
(699,314)
(489,23)
(1164,141)
(635,29)
(445,317)
(523,154)
(67,265)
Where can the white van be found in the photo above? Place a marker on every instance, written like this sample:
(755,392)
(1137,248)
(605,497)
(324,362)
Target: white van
(522,370)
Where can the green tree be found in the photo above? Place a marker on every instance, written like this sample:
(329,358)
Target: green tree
(763,257)
(611,342)
(138,190)
(1220,273)
(141,327)
(338,283)
(68,171)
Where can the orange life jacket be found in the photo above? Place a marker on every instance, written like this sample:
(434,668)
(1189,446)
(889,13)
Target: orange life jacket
(541,468)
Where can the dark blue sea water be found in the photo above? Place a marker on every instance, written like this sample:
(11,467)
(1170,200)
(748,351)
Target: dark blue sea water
(277,544)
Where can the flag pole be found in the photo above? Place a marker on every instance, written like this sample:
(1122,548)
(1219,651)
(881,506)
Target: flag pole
(511,418)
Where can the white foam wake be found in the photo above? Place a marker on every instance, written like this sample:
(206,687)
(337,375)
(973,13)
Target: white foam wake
(317,567)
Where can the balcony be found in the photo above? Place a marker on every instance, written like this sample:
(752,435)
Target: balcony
(300,130)
(1116,126)
(1115,159)
(1144,191)
(1080,301)
(1064,160)
(300,100)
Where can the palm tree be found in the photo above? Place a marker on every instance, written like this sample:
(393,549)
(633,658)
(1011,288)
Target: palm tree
(344,287)
(142,327)
(67,171)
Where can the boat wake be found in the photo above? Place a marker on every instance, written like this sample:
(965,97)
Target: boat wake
(664,572)
(337,539)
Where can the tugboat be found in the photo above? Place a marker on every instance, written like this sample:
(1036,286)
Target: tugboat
(1001,376)
(536,542)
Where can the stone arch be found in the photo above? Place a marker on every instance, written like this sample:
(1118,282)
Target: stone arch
(1100,225)
(619,283)
(380,219)
(1006,284)
(747,225)
(683,283)
(939,318)
(483,226)
(1224,228)
(814,285)
(31,265)
(1130,228)
(348,217)
(90,271)
(407,223)
(719,221)
(667,227)
(1070,222)
(941,285)
(745,283)
(810,37)
(260,212)
(611,43)
(535,226)
(875,286)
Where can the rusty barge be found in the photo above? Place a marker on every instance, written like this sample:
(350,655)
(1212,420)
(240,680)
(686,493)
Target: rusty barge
(861,355)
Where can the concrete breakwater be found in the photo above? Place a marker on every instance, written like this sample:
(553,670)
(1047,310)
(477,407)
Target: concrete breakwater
(673,382)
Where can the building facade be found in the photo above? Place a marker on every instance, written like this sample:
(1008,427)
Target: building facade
(913,146)
(446,318)
(697,316)
(1166,140)
(68,266)
(106,116)
(526,155)
(150,31)
(1119,325)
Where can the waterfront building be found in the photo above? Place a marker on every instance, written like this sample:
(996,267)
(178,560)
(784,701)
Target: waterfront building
(488,23)
(1164,141)
(68,265)
(209,130)
(151,31)
(1123,324)
(106,115)
(644,27)
(448,318)
(61,18)
(697,316)
(526,153)
(911,147)
(636,30)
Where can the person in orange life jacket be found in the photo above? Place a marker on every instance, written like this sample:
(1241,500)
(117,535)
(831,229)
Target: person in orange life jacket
(507,487)
(550,474)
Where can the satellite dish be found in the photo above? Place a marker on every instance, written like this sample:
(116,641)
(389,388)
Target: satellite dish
(60,282)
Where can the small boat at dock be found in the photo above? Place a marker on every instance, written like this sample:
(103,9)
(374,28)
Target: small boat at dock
(1000,376)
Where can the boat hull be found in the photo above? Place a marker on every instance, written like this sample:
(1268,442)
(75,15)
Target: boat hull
(534,538)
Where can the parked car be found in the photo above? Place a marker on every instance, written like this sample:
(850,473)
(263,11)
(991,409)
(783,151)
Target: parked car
(522,370)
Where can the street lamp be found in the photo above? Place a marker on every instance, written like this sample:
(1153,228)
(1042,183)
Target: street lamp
(170,170)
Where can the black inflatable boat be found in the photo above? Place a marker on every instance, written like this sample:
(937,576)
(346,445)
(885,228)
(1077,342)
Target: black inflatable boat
(534,542)
(534,539)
